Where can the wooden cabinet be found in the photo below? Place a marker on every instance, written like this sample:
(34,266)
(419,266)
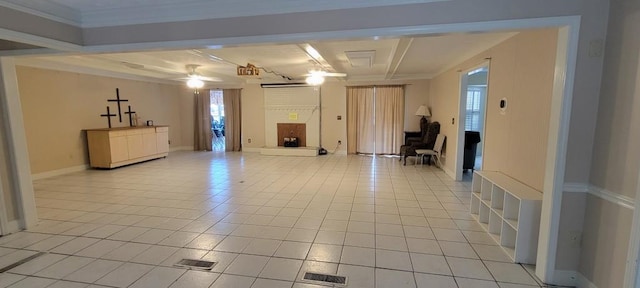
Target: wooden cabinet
(162,139)
(509,211)
(110,148)
(118,147)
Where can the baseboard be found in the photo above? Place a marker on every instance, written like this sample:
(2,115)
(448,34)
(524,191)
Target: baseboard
(583,282)
(12,227)
(339,152)
(181,148)
(449,172)
(59,172)
(251,149)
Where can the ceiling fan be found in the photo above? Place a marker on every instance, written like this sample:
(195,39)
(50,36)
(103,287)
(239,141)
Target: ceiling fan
(195,80)
(316,77)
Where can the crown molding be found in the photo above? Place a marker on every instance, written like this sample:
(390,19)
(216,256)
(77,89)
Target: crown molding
(397,77)
(52,65)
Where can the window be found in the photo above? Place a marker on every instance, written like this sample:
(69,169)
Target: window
(217,110)
(475,96)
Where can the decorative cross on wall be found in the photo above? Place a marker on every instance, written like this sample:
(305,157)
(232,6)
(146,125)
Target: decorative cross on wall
(108,115)
(131,113)
(118,100)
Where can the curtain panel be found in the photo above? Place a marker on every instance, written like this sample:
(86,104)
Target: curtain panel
(232,119)
(202,135)
(375,119)
(389,123)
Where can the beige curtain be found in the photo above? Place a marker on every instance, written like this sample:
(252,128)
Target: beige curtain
(202,134)
(375,119)
(360,125)
(389,123)
(232,119)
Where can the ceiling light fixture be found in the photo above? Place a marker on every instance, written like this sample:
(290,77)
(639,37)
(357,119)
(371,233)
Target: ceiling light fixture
(315,78)
(194,80)
(195,83)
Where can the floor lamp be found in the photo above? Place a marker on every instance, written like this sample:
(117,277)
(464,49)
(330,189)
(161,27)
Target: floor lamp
(424,112)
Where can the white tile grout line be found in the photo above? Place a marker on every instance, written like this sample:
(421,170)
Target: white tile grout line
(334,193)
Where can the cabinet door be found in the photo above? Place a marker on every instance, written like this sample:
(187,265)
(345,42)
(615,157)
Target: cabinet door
(136,148)
(162,139)
(149,144)
(119,149)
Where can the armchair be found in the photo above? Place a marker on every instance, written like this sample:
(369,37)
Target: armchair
(427,142)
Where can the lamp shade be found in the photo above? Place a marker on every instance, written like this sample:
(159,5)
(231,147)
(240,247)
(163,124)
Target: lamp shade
(423,111)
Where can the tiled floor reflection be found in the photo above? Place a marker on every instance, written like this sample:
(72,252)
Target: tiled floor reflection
(265,220)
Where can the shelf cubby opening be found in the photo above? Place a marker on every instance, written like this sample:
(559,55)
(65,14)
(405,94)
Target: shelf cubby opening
(497,197)
(495,223)
(508,237)
(484,213)
(485,190)
(475,205)
(511,207)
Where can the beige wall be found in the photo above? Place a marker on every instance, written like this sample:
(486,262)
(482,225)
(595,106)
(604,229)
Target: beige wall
(6,178)
(616,153)
(605,242)
(187,119)
(334,104)
(252,103)
(58,105)
(521,70)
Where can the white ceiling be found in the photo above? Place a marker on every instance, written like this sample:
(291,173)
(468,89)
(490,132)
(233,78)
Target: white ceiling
(395,59)
(400,58)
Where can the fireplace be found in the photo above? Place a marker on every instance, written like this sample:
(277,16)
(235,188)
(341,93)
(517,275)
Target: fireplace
(292,133)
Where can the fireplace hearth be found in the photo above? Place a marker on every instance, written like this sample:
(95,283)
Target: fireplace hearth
(292,134)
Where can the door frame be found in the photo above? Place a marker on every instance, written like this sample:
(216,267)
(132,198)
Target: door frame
(462,115)
(3,208)
(632,273)
(562,96)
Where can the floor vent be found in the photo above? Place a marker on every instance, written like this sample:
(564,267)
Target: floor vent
(25,260)
(324,279)
(196,264)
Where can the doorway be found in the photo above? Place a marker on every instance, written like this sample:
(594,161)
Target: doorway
(476,104)
(217,121)
(473,98)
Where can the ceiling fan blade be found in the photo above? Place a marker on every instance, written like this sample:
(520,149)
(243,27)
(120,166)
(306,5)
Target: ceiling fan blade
(203,78)
(326,74)
(335,74)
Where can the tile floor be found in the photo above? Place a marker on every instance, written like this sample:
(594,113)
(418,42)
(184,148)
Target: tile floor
(264,219)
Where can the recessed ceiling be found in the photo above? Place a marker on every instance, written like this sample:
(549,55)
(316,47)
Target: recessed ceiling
(393,59)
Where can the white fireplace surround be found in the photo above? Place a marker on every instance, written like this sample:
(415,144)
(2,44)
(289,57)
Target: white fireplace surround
(280,103)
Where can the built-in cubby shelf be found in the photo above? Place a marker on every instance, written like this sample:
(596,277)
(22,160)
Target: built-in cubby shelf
(509,211)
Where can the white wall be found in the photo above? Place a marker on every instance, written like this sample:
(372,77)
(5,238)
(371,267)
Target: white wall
(334,104)
(303,102)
